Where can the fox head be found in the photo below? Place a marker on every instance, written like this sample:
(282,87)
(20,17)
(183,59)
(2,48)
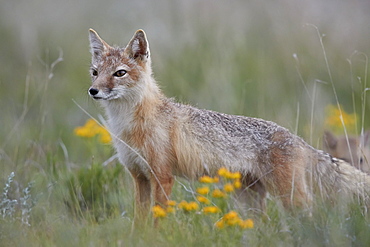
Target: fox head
(354,150)
(118,73)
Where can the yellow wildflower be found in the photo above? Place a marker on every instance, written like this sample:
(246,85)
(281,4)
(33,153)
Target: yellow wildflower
(170,210)
(228,187)
(92,126)
(81,131)
(171,203)
(158,212)
(233,222)
(232,218)
(192,206)
(105,137)
(237,184)
(206,179)
(203,190)
(220,224)
(203,199)
(217,193)
(211,210)
(216,180)
(91,129)
(333,120)
(188,206)
(235,175)
(182,204)
(231,215)
(246,224)
(223,172)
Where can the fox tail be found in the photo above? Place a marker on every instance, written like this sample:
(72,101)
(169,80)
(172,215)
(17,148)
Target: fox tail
(338,178)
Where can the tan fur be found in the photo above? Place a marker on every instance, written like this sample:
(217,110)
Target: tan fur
(355,150)
(157,139)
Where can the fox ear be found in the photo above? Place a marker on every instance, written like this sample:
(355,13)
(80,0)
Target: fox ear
(330,141)
(97,45)
(366,138)
(138,47)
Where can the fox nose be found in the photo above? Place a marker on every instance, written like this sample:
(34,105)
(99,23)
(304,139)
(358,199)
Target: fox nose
(93,91)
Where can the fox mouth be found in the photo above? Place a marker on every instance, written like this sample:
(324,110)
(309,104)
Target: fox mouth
(102,96)
(97,94)
(96,97)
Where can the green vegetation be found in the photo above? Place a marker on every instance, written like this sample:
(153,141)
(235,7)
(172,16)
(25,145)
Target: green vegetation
(254,58)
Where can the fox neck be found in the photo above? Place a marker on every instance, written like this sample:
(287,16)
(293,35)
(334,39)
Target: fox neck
(126,113)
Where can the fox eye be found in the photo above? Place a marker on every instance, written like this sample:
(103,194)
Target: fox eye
(120,73)
(94,72)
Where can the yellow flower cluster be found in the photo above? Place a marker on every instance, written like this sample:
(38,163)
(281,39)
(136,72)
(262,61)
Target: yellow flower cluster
(188,206)
(91,129)
(203,190)
(232,177)
(333,120)
(232,219)
(209,180)
(210,201)
(217,193)
(229,187)
(223,172)
(203,200)
(171,203)
(211,210)
(159,212)
(232,182)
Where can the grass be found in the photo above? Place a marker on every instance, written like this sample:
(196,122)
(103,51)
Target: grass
(60,189)
(339,225)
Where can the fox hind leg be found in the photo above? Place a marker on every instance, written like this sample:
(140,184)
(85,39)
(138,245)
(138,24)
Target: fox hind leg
(253,192)
(287,179)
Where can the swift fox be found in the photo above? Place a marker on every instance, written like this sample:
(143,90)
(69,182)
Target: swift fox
(157,138)
(355,150)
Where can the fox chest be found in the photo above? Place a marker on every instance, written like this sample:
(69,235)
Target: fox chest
(131,157)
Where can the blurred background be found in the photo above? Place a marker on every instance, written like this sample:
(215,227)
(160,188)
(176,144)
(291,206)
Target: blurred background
(261,59)
(283,61)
